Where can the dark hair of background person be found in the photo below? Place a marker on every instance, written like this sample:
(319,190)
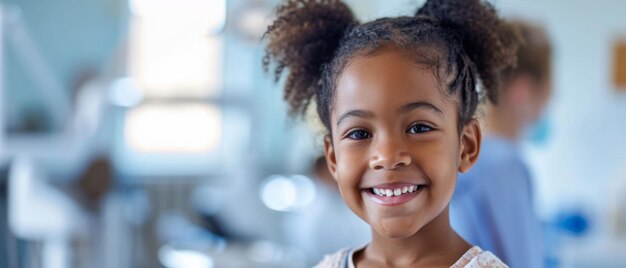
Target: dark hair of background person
(534,55)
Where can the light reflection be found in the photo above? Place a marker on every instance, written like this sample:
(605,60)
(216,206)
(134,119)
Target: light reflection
(282,193)
(173,129)
(175,258)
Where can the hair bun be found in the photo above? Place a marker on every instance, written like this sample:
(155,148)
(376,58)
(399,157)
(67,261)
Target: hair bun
(489,41)
(304,36)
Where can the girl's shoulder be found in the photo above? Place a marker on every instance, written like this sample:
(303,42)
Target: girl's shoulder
(475,257)
(335,260)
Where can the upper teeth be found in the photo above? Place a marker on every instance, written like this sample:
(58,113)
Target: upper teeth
(395,192)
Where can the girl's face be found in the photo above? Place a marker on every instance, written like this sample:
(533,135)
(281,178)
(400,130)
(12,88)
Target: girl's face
(394,147)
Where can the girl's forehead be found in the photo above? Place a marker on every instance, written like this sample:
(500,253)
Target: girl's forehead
(388,77)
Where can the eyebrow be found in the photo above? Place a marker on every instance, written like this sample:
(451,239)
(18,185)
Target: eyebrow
(404,109)
(420,105)
(354,113)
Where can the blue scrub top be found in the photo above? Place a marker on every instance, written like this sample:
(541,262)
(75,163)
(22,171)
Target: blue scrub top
(492,206)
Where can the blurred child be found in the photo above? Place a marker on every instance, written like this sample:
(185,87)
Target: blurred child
(398,97)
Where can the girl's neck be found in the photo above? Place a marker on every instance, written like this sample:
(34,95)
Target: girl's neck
(435,244)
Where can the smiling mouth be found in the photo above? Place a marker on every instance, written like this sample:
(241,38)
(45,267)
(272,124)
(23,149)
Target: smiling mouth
(393,195)
(395,192)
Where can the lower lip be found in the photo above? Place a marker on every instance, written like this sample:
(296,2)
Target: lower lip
(393,200)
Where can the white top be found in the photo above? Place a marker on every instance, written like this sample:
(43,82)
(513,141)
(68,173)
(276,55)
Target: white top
(475,257)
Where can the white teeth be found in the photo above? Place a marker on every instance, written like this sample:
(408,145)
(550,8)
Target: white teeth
(397,192)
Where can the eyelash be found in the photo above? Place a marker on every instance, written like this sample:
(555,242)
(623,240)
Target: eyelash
(360,131)
(424,128)
(351,135)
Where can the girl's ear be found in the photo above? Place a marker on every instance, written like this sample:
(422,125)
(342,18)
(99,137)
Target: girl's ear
(329,152)
(471,136)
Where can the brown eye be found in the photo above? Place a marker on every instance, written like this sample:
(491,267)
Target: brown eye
(419,128)
(358,134)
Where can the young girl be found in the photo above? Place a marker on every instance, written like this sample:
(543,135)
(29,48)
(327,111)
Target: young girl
(398,97)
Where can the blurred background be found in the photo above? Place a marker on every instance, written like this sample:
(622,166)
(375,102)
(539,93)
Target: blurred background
(144,133)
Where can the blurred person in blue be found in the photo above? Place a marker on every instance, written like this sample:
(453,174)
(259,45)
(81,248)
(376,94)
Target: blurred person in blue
(492,206)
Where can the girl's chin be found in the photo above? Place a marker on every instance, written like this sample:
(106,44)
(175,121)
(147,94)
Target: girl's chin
(395,231)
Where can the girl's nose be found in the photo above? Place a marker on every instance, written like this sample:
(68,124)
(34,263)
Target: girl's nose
(390,155)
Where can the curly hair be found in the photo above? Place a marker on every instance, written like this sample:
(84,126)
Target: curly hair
(315,39)
(534,55)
